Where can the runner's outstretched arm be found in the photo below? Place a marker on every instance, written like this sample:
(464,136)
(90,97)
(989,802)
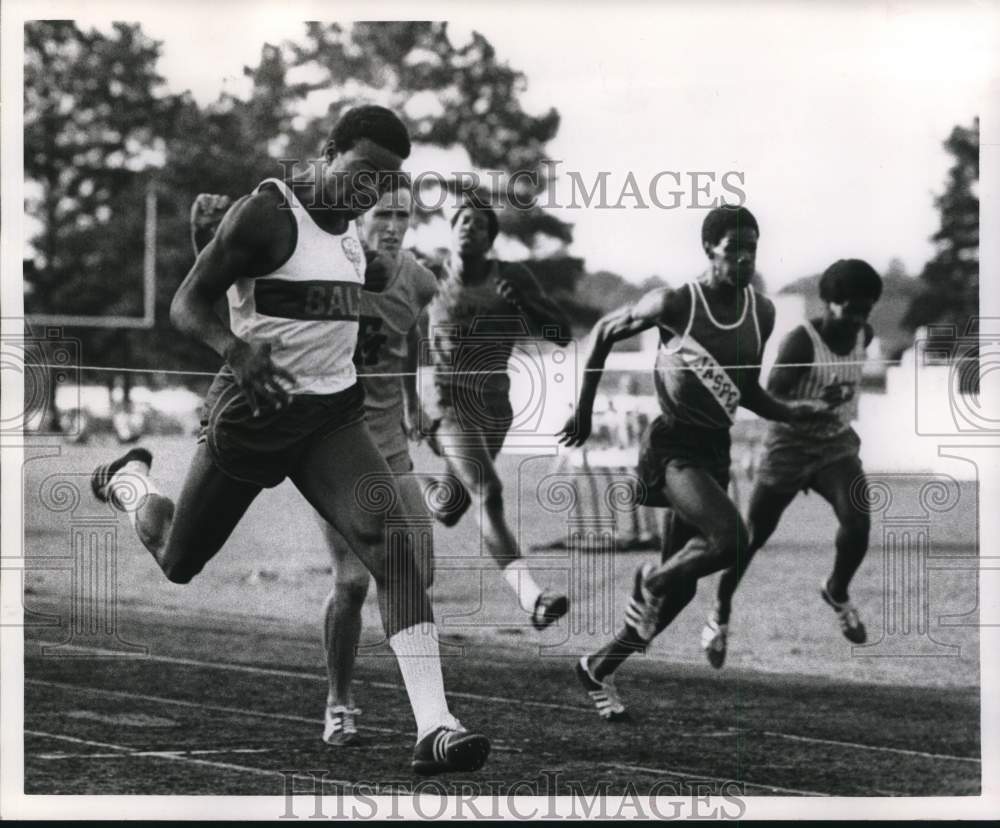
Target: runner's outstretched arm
(661,306)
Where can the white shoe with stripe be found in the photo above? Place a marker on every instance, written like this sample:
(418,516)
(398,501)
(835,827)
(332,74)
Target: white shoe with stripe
(449,749)
(847,614)
(339,727)
(715,641)
(603,694)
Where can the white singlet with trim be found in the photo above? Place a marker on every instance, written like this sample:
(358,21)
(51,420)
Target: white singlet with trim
(307,309)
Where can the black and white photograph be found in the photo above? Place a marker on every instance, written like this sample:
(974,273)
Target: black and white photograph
(527,411)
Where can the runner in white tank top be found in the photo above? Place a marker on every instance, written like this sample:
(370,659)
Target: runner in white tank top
(286,404)
(820,360)
(306,309)
(712,334)
(386,350)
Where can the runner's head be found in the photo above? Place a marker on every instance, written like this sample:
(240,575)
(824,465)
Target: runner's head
(729,238)
(474,227)
(384,227)
(849,288)
(366,146)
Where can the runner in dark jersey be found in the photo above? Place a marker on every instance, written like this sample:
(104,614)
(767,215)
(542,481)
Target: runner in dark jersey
(712,334)
(820,360)
(482,308)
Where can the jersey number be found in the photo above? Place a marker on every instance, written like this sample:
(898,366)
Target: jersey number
(370,340)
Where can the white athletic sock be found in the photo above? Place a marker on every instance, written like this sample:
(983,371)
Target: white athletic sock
(416,650)
(129,487)
(517,574)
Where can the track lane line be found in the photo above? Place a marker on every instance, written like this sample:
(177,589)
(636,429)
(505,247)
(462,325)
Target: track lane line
(199,752)
(216,708)
(274,671)
(271,671)
(905,751)
(676,772)
(744,783)
(128,752)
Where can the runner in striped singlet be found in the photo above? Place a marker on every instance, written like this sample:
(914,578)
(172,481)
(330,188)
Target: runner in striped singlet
(712,334)
(819,360)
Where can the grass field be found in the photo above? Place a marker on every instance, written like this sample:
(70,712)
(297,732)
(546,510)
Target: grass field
(217,686)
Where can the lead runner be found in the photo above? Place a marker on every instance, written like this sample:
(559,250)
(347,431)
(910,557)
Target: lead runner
(287,403)
(386,357)
(712,335)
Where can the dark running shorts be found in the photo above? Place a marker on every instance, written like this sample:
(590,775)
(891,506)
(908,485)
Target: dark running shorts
(682,446)
(263,450)
(789,462)
(466,411)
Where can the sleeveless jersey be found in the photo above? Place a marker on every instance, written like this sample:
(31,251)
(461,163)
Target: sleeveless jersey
(473,330)
(386,319)
(307,309)
(694,375)
(839,373)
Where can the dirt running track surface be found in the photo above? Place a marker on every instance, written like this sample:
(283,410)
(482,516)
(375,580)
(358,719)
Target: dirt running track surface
(230,690)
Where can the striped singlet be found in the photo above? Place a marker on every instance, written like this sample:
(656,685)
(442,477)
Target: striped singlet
(828,371)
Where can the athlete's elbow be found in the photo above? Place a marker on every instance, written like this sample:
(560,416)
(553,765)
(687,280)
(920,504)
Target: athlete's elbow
(178,311)
(181,313)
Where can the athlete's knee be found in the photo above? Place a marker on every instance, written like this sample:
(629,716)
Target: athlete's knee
(728,541)
(351,588)
(367,534)
(856,524)
(180,572)
(490,492)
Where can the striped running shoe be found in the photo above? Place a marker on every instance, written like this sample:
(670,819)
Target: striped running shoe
(603,694)
(714,639)
(448,749)
(339,728)
(101,476)
(850,622)
(643,611)
(549,608)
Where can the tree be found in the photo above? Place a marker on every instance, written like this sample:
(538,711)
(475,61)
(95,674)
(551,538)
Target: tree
(950,280)
(950,295)
(447,93)
(91,113)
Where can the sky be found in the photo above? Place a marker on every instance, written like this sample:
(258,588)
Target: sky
(829,118)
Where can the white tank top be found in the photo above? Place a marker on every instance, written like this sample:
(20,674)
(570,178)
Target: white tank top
(307,309)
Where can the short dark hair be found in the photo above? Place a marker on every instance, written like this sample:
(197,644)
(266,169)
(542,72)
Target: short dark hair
(481,206)
(721,220)
(849,279)
(376,123)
